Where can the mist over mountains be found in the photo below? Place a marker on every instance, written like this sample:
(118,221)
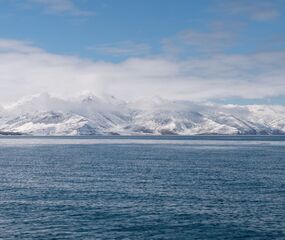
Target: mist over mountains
(44,115)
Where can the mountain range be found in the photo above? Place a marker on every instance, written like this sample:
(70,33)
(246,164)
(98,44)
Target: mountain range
(45,115)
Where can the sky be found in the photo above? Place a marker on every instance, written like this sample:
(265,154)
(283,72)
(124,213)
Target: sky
(225,51)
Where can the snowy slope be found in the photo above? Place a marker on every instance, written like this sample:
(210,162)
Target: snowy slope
(90,115)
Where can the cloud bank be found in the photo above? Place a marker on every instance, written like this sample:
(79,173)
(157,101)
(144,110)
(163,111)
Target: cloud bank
(26,69)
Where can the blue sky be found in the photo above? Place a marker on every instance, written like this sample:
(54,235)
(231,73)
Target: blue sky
(198,50)
(101,22)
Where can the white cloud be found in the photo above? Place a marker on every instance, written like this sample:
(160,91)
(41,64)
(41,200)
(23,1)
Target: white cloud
(25,70)
(62,6)
(261,10)
(125,48)
(17,46)
(197,42)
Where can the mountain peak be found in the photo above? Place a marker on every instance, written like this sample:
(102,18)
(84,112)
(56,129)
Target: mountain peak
(47,115)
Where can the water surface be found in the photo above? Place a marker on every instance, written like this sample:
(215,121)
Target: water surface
(142,187)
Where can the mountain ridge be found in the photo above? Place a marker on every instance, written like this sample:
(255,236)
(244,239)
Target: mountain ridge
(44,115)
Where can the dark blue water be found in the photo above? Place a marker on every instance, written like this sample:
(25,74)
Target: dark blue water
(142,188)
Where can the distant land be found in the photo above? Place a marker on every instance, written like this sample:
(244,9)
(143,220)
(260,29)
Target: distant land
(44,115)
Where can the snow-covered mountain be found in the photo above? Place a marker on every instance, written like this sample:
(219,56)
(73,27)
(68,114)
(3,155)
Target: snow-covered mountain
(90,115)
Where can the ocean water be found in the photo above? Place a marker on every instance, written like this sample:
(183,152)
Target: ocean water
(142,188)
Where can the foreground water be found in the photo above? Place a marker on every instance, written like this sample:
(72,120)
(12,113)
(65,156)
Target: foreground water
(142,188)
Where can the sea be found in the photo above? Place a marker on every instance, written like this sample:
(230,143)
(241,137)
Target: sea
(169,187)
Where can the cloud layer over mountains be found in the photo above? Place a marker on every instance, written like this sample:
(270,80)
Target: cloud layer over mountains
(26,69)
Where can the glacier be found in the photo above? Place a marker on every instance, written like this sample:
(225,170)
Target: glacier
(45,115)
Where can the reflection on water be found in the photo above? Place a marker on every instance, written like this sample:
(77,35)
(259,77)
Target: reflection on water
(184,140)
